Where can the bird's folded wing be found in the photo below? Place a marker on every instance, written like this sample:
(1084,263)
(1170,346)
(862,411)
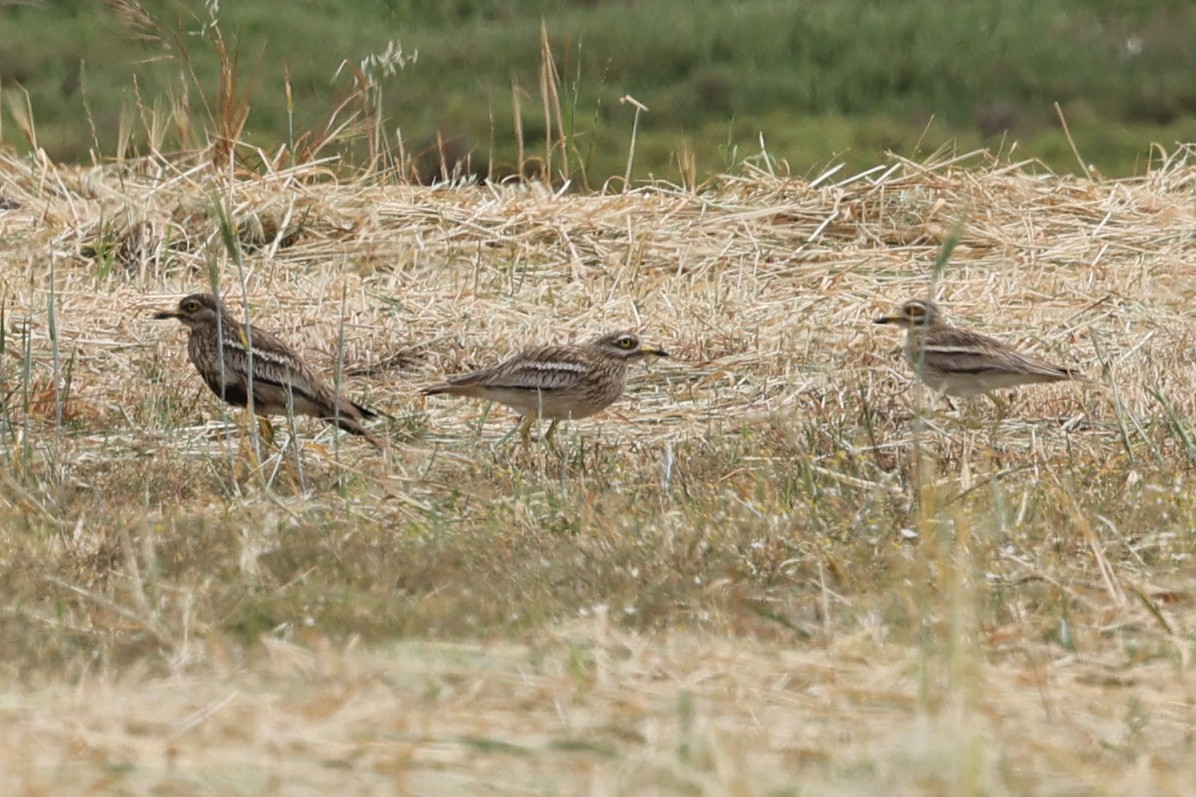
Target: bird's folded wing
(274,366)
(964,352)
(526,374)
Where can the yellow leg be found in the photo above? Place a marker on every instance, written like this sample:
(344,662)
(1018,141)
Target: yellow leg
(548,438)
(251,453)
(1002,406)
(266,429)
(525,431)
(1002,411)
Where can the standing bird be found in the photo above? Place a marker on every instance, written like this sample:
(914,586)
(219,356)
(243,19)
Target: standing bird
(228,353)
(555,382)
(962,363)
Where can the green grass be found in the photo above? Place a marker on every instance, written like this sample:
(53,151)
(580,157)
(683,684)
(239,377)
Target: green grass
(506,549)
(818,80)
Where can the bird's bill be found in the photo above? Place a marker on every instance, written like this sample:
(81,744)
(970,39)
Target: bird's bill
(162,315)
(655,351)
(892,319)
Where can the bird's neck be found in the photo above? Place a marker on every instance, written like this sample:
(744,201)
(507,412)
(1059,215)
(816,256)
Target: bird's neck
(915,340)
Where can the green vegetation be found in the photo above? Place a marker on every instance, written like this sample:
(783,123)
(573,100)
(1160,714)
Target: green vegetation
(817,80)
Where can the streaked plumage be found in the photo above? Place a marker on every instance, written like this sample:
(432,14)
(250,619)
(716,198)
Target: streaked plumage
(962,363)
(555,382)
(280,377)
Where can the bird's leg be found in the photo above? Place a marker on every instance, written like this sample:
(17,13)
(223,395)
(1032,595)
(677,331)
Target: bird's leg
(1001,405)
(548,437)
(525,431)
(265,429)
(977,419)
(252,453)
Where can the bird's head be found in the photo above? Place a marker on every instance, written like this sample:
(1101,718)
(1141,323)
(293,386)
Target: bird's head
(625,346)
(195,311)
(914,313)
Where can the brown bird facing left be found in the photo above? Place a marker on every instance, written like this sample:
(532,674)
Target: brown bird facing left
(232,357)
(555,382)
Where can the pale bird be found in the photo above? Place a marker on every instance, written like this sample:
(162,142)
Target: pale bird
(220,347)
(962,363)
(555,382)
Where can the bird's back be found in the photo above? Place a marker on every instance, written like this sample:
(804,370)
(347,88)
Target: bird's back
(546,368)
(965,363)
(556,382)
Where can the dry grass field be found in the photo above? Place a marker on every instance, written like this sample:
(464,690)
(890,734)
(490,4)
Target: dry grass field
(776,567)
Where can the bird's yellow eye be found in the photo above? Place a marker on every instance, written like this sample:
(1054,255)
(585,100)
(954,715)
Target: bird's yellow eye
(625,342)
(915,311)
(190,306)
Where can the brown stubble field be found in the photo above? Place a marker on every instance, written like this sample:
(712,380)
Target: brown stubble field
(773,568)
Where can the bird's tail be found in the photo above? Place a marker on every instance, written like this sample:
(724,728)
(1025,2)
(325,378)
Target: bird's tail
(1073,374)
(349,419)
(351,426)
(366,412)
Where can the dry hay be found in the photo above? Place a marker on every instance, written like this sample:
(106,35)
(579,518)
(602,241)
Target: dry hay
(764,289)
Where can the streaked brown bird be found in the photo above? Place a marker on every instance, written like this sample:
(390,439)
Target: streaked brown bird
(962,363)
(555,382)
(228,353)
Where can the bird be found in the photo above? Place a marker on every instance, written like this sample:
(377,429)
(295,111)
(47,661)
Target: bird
(233,357)
(557,382)
(962,363)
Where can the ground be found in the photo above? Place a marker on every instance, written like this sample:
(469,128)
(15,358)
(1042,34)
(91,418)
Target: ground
(776,567)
